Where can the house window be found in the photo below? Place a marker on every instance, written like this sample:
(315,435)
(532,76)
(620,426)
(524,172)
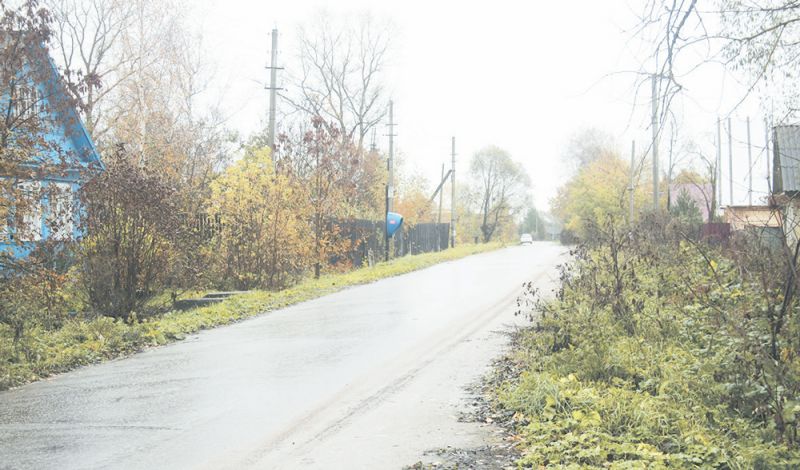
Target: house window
(24,102)
(29,211)
(6,203)
(60,211)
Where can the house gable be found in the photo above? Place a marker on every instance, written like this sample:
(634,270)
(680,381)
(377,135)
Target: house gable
(63,155)
(63,130)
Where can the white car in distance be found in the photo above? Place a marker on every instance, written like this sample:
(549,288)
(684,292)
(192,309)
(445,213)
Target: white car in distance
(526,239)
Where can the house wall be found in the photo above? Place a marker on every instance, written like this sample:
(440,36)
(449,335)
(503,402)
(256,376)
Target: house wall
(791,222)
(741,217)
(19,241)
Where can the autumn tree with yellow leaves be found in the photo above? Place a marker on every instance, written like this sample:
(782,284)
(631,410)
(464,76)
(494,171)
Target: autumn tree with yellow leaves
(342,182)
(597,192)
(265,237)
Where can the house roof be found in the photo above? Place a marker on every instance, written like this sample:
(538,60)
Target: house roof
(786,159)
(81,135)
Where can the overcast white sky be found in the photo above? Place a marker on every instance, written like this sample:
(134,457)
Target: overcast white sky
(520,75)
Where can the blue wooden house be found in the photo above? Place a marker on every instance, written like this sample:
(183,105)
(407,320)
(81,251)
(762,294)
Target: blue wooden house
(54,152)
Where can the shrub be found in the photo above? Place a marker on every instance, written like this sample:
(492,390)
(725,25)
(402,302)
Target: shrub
(31,295)
(132,226)
(265,240)
(659,351)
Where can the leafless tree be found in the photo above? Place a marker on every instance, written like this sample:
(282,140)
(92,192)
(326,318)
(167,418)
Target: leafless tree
(758,40)
(670,27)
(87,37)
(587,145)
(145,71)
(339,74)
(709,177)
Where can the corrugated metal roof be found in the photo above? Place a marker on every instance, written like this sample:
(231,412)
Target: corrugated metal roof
(786,159)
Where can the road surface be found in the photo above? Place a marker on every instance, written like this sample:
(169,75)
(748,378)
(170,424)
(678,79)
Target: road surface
(369,377)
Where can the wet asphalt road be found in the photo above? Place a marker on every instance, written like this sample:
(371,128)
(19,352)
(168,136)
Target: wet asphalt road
(282,386)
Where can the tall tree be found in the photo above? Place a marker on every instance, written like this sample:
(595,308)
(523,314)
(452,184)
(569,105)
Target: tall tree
(502,188)
(264,242)
(759,41)
(88,37)
(339,74)
(144,69)
(587,145)
(533,223)
(596,193)
(337,175)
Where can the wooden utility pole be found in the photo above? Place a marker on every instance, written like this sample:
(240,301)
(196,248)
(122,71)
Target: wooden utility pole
(749,166)
(631,188)
(390,178)
(439,217)
(654,124)
(730,161)
(669,166)
(273,87)
(718,169)
(390,162)
(766,152)
(453,193)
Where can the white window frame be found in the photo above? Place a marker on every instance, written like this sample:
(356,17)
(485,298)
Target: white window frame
(6,210)
(60,211)
(24,103)
(28,228)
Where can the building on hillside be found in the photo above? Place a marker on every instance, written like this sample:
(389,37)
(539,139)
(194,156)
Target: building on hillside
(699,194)
(48,152)
(786,179)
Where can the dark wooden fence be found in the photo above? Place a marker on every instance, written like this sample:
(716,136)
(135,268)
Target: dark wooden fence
(718,233)
(368,244)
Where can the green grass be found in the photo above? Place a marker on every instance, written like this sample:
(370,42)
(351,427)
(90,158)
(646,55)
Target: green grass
(81,342)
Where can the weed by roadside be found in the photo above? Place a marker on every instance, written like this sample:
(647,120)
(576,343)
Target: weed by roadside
(658,352)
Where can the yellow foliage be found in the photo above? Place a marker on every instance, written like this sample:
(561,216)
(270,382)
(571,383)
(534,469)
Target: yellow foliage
(265,238)
(415,207)
(599,190)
